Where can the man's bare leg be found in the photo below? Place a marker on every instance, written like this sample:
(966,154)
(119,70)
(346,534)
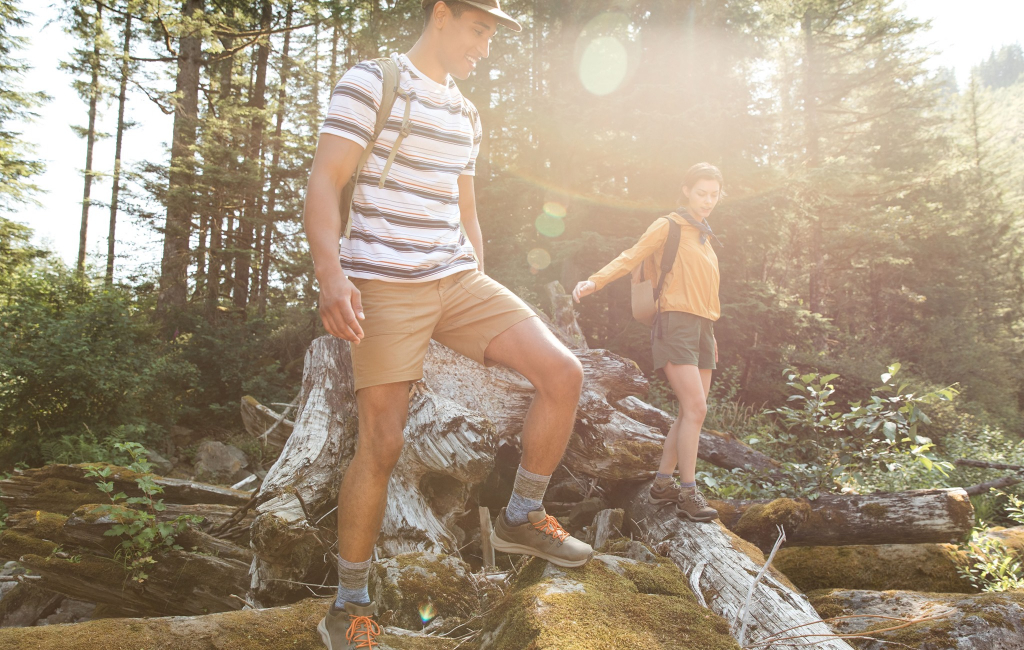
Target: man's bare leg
(531,350)
(363,495)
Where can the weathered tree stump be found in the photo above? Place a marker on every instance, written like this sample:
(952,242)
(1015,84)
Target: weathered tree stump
(721,568)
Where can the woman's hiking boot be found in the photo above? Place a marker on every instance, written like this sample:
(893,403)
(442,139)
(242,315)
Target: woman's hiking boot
(664,492)
(541,536)
(352,628)
(692,505)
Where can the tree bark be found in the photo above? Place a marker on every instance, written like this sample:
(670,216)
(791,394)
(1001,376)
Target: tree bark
(914,517)
(253,202)
(178,224)
(90,137)
(721,567)
(116,181)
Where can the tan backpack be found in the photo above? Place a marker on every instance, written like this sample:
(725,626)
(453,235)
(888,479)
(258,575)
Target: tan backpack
(645,296)
(392,90)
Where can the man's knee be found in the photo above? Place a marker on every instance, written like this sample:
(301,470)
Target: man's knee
(382,415)
(564,378)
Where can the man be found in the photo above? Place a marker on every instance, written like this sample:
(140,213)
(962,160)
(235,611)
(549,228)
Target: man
(406,274)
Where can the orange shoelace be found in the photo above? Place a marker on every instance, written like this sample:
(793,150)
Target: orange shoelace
(365,626)
(550,526)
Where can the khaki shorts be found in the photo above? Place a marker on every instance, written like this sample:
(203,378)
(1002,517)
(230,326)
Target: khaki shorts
(463,311)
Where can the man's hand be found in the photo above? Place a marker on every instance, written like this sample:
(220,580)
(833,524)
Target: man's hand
(341,309)
(583,288)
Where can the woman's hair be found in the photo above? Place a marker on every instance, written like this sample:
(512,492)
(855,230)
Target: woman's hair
(701,171)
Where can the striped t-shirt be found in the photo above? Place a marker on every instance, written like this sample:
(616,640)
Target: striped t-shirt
(407,231)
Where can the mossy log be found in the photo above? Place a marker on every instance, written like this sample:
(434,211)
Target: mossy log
(611,602)
(914,517)
(62,489)
(992,621)
(74,562)
(913,567)
(721,568)
(292,627)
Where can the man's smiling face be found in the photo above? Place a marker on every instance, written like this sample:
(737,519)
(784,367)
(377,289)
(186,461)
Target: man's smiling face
(465,40)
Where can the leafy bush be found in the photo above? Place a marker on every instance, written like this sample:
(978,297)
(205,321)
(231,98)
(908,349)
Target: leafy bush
(76,361)
(991,566)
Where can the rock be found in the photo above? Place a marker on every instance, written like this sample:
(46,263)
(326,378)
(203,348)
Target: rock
(414,589)
(161,465)
(10,565)
(26,604)
(914,567)
(69,611)
(611,602)
(992,621)
(220,463)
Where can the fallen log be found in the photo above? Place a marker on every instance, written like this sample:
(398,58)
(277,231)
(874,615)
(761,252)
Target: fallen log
(292,627)
(64,488)
(718,448)
(721,568)
(993,621)
(563,316)
(913,517)
(882,567)
(71,560)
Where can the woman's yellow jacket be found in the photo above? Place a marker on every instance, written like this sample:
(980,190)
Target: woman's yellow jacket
(691,285)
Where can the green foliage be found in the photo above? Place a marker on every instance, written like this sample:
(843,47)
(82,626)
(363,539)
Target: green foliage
(825,449)
(77,360)
(143,537)
(991,566)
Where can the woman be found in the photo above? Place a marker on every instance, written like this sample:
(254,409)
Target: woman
(683,338)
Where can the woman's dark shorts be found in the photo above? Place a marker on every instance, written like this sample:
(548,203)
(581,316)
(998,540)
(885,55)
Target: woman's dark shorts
(685,340)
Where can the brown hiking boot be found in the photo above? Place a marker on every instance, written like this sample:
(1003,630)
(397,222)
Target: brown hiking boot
(665,494)
(350,628)
(694,506)
(541,536)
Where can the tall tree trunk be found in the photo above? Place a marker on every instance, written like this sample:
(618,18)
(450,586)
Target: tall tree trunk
(178,225)
(116,186)
(90,141)
(817,243)
(275,160)
(251,210)
(216,253)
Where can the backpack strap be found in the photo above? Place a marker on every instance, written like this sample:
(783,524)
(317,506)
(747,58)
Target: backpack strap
(668,259)
(391,90)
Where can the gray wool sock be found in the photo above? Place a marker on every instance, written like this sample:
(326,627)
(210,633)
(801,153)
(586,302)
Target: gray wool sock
(527,496)
(353,579)
(662,480)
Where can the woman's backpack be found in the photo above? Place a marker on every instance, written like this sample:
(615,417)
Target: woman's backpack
(645,296)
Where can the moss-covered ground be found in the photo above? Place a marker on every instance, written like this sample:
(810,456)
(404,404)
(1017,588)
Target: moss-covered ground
(649,605)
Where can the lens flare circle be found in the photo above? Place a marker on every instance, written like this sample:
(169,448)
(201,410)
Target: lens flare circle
(604,65)
(427,612)
(539,259)
(549,226)
(554,209)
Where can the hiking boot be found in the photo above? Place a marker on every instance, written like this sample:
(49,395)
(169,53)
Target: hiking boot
(666,494)
(350,628)
(694,506)
(541,536)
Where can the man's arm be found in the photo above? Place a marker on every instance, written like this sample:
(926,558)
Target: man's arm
(333,165)
(467,214)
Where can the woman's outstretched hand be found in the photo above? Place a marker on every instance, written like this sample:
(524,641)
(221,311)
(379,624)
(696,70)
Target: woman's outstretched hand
(584,288)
